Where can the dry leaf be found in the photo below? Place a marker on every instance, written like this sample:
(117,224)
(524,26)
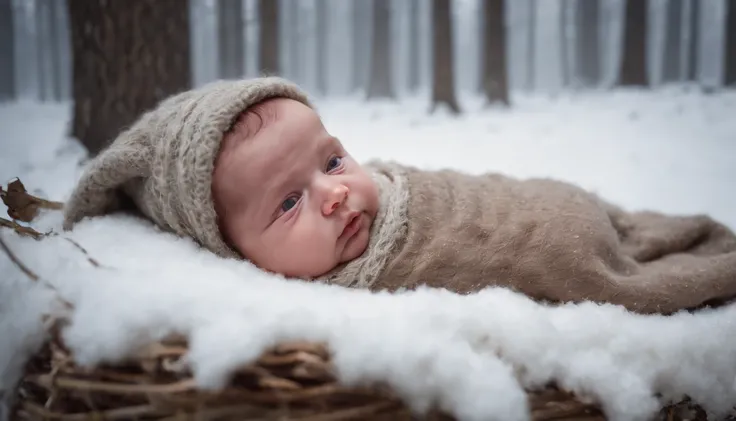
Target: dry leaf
(20,204)
(23,206)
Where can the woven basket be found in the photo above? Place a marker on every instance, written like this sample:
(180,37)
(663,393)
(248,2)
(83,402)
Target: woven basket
(293,381)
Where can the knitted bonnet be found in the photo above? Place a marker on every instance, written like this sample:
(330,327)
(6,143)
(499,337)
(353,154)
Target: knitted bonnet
(164,161)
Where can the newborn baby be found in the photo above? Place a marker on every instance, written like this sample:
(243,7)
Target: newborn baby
(247,169)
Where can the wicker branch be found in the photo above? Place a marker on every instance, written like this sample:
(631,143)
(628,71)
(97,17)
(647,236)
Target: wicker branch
(276,386)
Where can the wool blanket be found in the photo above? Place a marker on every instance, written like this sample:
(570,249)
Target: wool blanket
(550,240)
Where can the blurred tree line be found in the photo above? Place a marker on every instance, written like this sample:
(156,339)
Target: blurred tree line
(126,55)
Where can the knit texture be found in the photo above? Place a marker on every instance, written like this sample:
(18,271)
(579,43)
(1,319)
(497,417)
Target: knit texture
(387,231)
(164,161)
(547,239)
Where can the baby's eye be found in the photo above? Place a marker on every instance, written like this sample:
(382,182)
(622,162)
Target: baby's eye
(333,163)
(289,203)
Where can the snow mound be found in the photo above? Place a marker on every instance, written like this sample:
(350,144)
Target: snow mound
(431,346)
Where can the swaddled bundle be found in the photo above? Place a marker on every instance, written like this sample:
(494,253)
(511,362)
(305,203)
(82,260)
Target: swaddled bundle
(547,239)
(192,170)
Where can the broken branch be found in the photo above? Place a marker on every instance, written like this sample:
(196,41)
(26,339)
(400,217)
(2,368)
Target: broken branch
(20,229)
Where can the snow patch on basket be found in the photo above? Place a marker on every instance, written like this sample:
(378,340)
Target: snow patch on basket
(473,355)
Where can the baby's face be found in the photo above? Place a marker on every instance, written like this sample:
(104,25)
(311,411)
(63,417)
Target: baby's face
(289,197)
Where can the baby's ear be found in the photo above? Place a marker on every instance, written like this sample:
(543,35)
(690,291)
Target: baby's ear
(99,188)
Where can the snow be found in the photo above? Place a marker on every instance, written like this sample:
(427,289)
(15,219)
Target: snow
(670,150)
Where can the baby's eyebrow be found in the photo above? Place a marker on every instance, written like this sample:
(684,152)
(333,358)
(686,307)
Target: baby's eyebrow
(328,142)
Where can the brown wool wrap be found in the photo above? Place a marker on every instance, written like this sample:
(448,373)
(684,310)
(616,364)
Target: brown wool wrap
(547,239)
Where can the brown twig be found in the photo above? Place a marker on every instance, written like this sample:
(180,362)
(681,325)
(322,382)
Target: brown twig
(17,261)
(20,229)
(47,204)
(90,259)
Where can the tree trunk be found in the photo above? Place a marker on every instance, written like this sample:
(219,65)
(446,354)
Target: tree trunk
(588,42)
(493,70)
(231,41)
(531,45)
(443,79)
(55,53)
(63,48)
(7,52)
(564,63)
(729,54)
(360,41)
(268,51)
(413,74)
(294,40)
(694,40)
(634,63)
(380,84)
(127,57)
(322,21)
(671,68)
(41,14)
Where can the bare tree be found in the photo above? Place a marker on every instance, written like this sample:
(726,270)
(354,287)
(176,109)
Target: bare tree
(692,51)
(380,84)
(413,73)
(360,43)
(43,38)
(634,64)
(127,57)
(531,45)
(54,50)
(443,78)
(62,47)
(493,70)
(564,62)
(295,40)
(7,51)
(588,42)
(672,43)
(231,39)
(322,16)
(268,51)
(730,45)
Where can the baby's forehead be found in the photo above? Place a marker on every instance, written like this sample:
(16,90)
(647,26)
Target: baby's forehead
(251,121)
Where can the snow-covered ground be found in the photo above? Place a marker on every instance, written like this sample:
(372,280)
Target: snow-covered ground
(671,150)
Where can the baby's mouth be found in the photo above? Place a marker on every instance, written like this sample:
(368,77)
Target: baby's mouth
(353,225)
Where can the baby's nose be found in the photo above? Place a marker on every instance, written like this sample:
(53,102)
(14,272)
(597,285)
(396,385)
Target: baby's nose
(336,196)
